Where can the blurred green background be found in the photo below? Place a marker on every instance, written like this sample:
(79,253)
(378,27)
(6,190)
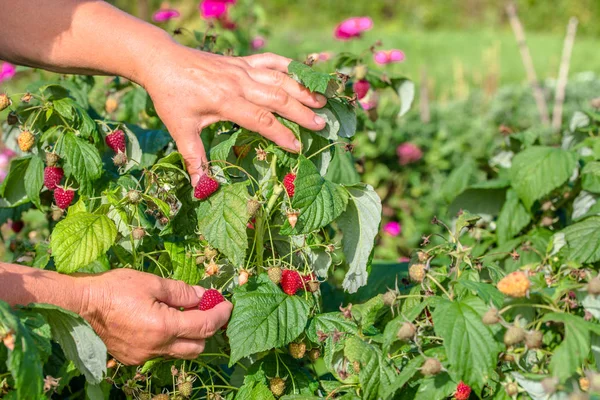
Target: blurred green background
(459,44)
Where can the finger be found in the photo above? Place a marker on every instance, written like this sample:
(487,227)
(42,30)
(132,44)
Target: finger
(187,349)
(189,144)
(260,120)
(177,294)
(197,324)
(290,86)
(269,60)
(277,100)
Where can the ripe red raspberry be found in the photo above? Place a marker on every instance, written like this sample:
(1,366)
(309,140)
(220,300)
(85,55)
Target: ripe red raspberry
(17,226)
(210,299)
(361,88)
(63,197)
(463,391)
(116,141)
(291,281)
(52,177)
(288,183)
(205,187)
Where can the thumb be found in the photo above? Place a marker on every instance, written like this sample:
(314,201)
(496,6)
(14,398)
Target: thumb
(177,294)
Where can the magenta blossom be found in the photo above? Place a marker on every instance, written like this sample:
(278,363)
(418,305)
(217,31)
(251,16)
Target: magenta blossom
(7,71)
(352,28)
(213,9)
(165,14)
(404,259)
(408,153)
(258,43)
(389,56)
(370,101)
(392,228)
(5,156)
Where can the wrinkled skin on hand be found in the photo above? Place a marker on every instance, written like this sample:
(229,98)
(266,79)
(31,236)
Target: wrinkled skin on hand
(138,315)
(192,89)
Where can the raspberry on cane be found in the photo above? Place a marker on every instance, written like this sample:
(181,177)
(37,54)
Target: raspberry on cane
(52,177)
(63,197)
(206,186)
(116,141)
(361,88)
(463,391)
(291,281)
(288,183)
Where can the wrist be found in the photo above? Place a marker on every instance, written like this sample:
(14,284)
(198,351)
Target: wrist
(148,61)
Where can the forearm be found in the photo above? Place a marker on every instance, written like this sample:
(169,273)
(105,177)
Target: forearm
(73,36)
(23,285)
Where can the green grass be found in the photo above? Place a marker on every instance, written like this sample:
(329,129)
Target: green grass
(444,53)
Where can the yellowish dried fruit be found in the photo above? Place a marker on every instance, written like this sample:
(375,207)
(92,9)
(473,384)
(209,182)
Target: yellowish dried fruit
(515,284)
(4,101)
(25,141)
(417,272)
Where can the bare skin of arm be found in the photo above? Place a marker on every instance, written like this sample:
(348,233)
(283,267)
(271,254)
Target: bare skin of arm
(137,314)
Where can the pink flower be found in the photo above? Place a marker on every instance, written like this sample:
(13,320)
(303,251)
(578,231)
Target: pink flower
(392,228)
(404,259)
(5,156)
(213,8)
(7,71)
(408,153)
(165,14)
(352,28)
(388,56)
(258,43)
(370,101)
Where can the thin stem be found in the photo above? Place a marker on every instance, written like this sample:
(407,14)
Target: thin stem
(439,285)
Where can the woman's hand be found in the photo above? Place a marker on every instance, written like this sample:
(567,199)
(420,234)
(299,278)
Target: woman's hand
(138,315)
(192,89)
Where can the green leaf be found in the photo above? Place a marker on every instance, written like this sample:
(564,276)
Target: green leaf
(376,373)
(132,149)
(184,266)
(538,170)
(409,370)
(77,339)
(12,189)
(34,180)
(64,107)
(318,200)
(359,224)
(405,89)
(82,159)
(470,345)
(458,180)
(366,314)
(254,390)
(512,218)
(341,168)
(327,323)
(582,240)
(220,152)
(574,349)
(24,361)
(222,219)
(80,239)
(315,81)
(590,177)
(345,115)
(264,319)
(436,387)
(488,293)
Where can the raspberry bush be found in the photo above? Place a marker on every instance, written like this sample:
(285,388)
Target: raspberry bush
(502,303)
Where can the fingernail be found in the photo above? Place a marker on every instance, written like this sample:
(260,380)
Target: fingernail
(195,178)
(297,145)
(319,120)
(320,98)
